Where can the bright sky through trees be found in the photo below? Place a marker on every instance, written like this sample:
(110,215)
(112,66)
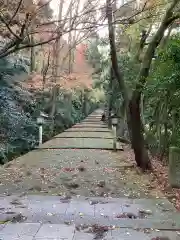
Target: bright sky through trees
(102,31)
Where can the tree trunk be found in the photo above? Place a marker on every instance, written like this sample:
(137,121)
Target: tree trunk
(74,40)
(166,38)
(137,138)
(32,57)
(165,143)
(70,42)
(85,103)
(44,70)
(68,101)
(132,106)
(110,100)
(117,73)
(82,101)
(138,143)
(56,66)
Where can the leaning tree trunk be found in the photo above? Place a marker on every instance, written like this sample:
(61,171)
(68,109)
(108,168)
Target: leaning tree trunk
(32,56)
(137,138)
(133,105)
(110,99)
(138,143)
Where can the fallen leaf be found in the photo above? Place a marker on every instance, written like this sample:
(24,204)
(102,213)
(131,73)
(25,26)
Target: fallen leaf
(36,188)
(68,169)
(8,212)
(18,218)
(145,211)
(81,168)
(28,173)
(101,184)
(126,215)
(65,199)
(71,185)
(16,202)
(109,170)
(93,202)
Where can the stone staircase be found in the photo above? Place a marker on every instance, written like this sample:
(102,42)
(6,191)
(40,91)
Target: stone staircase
(48,217)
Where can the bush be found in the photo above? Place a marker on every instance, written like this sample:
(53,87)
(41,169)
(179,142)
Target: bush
(19,108)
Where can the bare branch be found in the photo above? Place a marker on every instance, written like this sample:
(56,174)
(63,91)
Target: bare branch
(82,20)
(16,11)
(8,26)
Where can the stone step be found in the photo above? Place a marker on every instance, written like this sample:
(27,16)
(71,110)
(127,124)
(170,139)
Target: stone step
(80,143)
(38,231)
(80,210)
(84,129)
(105,135)
(88,126)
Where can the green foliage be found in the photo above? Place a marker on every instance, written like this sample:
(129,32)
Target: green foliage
(13,65)
(19,109)
(162,97)
(99,54)
(93,55)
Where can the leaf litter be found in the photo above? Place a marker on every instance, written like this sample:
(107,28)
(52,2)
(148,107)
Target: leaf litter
(159,181)
(109,178)
(95,229)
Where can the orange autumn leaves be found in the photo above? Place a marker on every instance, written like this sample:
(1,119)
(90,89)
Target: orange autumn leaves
(80,78)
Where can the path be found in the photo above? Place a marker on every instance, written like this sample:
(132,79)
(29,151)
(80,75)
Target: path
(75,187)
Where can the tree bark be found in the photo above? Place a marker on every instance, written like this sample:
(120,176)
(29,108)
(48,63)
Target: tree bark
(114,61)
(70,42)
(32,50)
(132,106)
(110,97)
(32,54)
(56,66)
(138,142)
(166,38)
(137,138)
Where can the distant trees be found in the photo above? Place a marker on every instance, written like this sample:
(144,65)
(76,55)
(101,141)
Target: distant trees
(135,34)
(25,24)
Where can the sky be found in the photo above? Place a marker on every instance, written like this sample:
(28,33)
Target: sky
(55,6)
(101,31)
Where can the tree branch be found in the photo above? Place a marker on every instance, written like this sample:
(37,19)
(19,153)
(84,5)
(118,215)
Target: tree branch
(8,26)
(16,11)
(145,67)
